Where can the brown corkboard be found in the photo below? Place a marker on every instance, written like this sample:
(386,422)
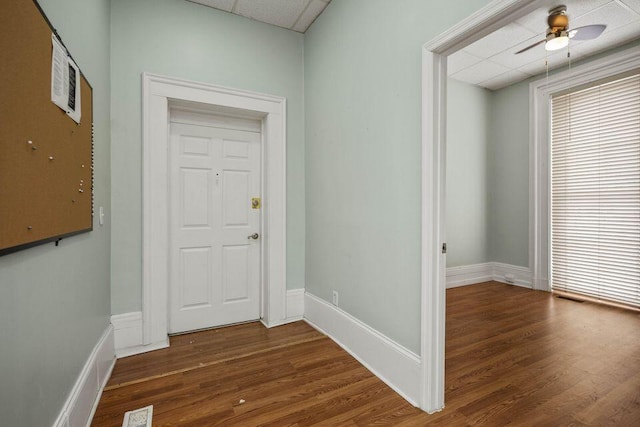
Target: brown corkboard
(46,193)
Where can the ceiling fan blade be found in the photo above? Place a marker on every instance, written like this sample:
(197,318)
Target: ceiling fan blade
(529,47)
(588,32)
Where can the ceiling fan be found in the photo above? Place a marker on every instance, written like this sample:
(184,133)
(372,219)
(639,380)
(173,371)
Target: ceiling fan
(558,33)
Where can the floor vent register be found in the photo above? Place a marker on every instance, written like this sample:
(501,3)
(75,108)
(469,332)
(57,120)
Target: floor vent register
(138,418)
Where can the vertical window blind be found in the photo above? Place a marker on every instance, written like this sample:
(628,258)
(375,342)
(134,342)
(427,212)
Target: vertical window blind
(595,191)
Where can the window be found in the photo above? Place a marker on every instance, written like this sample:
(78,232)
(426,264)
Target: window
(595,191)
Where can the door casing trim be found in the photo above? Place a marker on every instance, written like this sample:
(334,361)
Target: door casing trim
(157,94)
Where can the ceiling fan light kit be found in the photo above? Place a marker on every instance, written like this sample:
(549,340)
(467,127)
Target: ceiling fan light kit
(557,40)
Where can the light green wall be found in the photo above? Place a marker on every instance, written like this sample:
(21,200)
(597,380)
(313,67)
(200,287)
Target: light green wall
(187,40)
(467,221)
(54,301)
(362,128)
(508,179)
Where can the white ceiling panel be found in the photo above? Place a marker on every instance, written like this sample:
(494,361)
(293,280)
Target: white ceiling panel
(480,72)
(460,61)
(497,50)
(295,15)
(309,15)
(631,4)
(611,14)
(283,13)
(499,40)
(225,5)
(504,79)
(555,60)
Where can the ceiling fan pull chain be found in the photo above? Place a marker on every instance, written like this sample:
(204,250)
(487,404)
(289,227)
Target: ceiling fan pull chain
(546,66)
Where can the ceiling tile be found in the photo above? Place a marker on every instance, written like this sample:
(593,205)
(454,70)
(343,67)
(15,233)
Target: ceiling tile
(499,40)
(632,4)
(555,60)
(283,13)
(225,5)
(460,60)
(309,15)
(504,80)
(611,14)
(480,72)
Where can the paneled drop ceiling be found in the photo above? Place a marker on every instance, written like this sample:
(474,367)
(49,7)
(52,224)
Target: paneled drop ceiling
(491,61)
(296,15)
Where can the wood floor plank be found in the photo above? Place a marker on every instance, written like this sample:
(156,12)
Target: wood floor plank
(513,357)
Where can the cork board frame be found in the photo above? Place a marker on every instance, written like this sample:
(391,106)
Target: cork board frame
(46,158)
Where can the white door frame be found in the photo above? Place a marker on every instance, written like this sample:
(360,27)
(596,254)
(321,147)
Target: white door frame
(434,79)
(157,94)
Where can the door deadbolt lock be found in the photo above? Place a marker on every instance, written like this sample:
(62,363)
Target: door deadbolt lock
(254,236)
(255,203)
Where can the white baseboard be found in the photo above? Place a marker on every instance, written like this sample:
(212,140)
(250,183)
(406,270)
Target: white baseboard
(294,309)
(398,367)
(128,326)
(520,276)
(83,399)
(478,273)
(469,274)
(295,305)
(541,285)
(128,335)
(128,329)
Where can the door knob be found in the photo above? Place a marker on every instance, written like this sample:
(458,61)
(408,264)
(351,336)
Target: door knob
(254,236)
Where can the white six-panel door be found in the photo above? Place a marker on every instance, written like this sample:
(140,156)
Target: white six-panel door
(214,250)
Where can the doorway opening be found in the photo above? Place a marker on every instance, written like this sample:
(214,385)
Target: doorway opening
(496,15)
(434,101)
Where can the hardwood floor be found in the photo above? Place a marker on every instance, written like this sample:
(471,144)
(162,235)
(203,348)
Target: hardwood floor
(513,356)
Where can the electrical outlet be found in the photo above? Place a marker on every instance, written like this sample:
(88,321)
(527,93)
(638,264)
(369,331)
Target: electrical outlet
(335,298)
